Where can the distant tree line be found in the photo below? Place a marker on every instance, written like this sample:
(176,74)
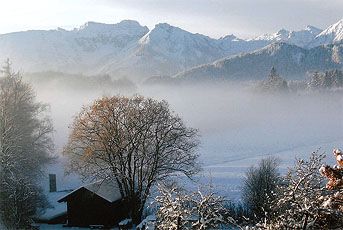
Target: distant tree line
(79,81)
(328,80)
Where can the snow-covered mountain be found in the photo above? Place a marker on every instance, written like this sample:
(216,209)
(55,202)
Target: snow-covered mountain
(299,38)
(333,34)
(166,50)
(82,50)
(130,50)
(291,61)
(126,49)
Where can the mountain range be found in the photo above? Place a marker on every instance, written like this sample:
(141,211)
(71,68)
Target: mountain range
(291,61)
(130,50)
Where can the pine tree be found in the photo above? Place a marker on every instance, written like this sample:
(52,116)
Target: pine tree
(274,83)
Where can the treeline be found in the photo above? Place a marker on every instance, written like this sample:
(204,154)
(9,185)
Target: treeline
(327,80)
(79,81)
(317,81)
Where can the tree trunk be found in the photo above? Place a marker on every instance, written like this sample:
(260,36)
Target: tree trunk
(136,209)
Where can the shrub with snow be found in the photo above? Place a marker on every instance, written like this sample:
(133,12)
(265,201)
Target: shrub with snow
(179,210)
(303,201)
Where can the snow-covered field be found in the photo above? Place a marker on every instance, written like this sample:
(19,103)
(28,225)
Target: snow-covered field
(237,127)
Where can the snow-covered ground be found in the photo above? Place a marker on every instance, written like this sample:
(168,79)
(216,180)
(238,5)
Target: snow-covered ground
(237,127)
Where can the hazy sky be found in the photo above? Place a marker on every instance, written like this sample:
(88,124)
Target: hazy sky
(216,18)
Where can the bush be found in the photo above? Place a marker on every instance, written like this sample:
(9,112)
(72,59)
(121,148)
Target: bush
(303,202)
(259,186)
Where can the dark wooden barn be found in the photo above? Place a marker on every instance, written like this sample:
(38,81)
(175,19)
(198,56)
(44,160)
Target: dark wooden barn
(95,204)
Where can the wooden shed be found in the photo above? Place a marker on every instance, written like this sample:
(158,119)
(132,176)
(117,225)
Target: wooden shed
(96,204)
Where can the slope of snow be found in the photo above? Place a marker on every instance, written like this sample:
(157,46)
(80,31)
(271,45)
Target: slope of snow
(179,44)
(333,34)
(108,190)
(166,50)
(300,38)
(126,49)
(291,61)
(280,35)
(129,50)
(79,50)
(56,208)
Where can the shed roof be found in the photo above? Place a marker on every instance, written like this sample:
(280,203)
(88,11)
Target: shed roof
(108,190)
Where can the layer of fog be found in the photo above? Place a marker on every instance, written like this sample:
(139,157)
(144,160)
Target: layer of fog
(237,125)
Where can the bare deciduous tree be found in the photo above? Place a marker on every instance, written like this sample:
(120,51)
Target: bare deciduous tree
(259,187)
(135,141)
(25,146)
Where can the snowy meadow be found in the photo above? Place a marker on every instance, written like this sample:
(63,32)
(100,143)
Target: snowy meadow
(238,126)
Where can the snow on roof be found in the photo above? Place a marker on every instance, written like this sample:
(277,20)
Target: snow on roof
(106,189)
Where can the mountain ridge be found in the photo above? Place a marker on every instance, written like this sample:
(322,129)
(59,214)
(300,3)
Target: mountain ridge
(291,61)
(130,50)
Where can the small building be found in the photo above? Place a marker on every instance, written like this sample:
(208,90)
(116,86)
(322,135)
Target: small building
(96,204)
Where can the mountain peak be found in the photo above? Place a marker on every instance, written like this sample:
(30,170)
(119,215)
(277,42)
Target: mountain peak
(332,34)
(313,29)
(283,32)
(167,28)
(97,26)
(176,40)
(229,37)
(335,28)
(163,25)
(90,24)
(300,38)
(125,27)
(128,22)
(340,21)
(163,31)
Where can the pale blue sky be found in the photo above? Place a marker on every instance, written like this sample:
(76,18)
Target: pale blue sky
(215,18)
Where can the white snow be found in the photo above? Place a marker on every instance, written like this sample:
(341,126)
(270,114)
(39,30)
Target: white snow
(127,49)
(106,189)
(148,223)
(300,38)
(56,208)
(237,128)
(125,222)
(332,34)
